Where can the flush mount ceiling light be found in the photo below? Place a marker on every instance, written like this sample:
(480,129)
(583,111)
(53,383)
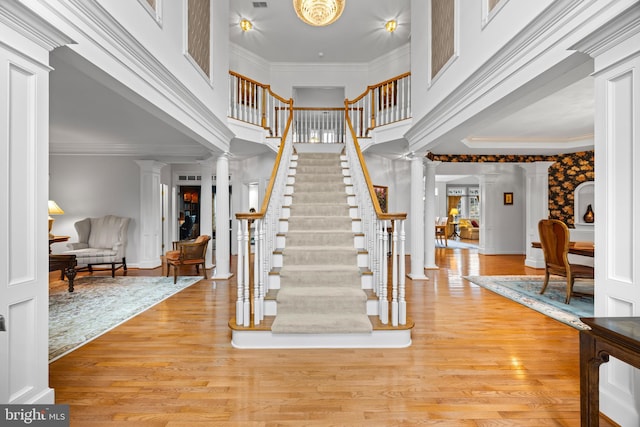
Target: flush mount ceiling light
(318,12)
(246,25)
(391,25)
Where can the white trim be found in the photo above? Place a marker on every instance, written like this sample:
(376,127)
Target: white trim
(488,15)
(479,82)
(456,43)
(124,47)
(185,42)
(156,13)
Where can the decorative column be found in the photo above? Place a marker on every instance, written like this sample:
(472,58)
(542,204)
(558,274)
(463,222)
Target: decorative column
(417,219)
(615,47)
(26,43)
(490,198)
(430,215)
(150,214)
(206,206)
(223,226)
(537,208)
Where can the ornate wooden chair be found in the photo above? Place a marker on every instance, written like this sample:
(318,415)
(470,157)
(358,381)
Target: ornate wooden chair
(554,238)
(188,252)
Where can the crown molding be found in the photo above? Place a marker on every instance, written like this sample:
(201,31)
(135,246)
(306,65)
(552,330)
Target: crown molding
(71,149)
(91,20)
(585,142)
(619,30)
(397,54)
(305,67)
(487,77)
(24,21)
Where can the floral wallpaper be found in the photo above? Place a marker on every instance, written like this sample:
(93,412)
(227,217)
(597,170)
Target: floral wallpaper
(565,174)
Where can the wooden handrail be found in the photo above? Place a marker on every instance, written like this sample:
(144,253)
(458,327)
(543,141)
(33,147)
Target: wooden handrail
(274,173)
(365,171)
(262,85)
(377,85)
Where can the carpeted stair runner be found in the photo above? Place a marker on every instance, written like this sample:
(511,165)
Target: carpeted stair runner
(320,288)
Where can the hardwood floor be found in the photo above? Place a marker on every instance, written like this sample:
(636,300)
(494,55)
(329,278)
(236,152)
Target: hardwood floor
(477,359)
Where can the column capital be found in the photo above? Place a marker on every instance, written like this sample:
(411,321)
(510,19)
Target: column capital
(150,165)
(536,168)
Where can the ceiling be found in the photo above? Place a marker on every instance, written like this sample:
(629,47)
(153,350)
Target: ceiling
(358,36)
(90,117)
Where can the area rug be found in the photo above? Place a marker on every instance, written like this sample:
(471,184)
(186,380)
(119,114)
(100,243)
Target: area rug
(99,304)
(457,244)
(526,291)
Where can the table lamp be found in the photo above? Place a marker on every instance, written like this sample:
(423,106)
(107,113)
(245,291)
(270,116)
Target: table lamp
(453,212)
(54,209)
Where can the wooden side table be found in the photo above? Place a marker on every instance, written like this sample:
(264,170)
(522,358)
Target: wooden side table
(609,336)
(65,263)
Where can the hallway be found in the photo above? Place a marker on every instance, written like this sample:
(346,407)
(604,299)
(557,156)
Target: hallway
(477,359)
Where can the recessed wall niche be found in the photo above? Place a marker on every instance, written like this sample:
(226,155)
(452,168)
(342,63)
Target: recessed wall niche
(583,197)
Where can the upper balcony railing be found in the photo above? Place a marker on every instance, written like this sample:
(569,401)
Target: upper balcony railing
(255,103)
(381,104)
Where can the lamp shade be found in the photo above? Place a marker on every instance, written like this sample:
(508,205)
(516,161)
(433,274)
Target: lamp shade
(454,212)
(54,209)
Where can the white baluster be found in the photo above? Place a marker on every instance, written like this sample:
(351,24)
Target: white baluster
(402,303)
(257,279)
(384,304)
(394,276)
(240,280)
(408,103)
(245,266)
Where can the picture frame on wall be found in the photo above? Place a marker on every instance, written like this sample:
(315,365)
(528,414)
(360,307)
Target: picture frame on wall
(382,194)
(508,198)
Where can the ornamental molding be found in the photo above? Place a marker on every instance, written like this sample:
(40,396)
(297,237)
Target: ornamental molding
(514,56)
(121,47)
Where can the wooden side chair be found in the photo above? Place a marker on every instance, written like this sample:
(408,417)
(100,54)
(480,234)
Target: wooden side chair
(554,238)
(188,252)
(442,230)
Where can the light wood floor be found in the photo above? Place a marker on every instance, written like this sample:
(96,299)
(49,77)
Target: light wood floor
(477,359)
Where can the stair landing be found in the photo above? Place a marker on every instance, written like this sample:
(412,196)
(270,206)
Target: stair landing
(261,337)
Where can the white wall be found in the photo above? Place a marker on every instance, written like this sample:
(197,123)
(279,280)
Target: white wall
(94,186)
(396,175)
(148,58)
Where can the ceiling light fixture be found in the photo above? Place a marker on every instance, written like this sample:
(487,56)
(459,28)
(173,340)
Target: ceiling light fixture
(391,25)
(246,25)
(318,13)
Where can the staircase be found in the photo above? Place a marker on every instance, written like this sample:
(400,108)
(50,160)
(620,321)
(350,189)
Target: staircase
(319,288)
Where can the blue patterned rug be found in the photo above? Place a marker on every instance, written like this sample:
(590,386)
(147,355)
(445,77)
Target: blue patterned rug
(99,304)
(526,291)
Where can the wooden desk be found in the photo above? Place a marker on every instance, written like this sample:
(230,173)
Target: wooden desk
(580,249)
(609,336)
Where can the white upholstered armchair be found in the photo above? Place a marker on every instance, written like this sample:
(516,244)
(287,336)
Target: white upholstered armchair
(101,241)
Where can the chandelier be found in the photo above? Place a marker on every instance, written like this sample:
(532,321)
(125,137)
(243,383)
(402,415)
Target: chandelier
(318,12)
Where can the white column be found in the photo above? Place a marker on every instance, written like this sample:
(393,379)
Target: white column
(417,220)
(430,215)
(490,199)
(615,48)
(223,253)
(150,225)
(537,208)
(206,206)
(24,190)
